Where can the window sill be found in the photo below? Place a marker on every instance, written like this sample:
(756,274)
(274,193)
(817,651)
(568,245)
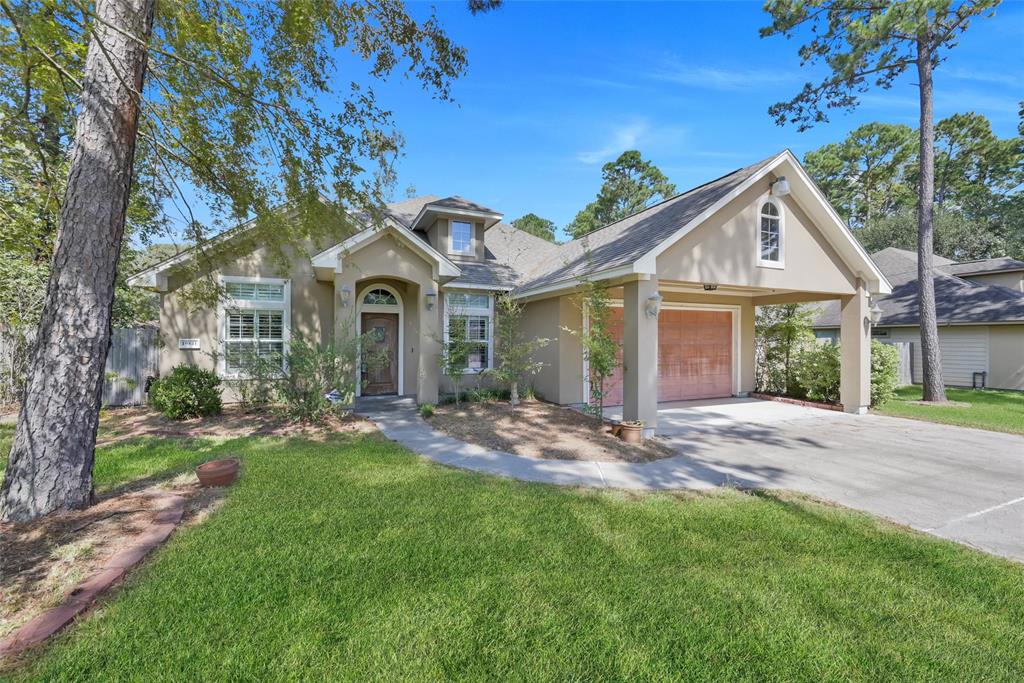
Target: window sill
(777,265)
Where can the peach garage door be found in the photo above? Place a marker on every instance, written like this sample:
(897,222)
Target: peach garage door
(694,355)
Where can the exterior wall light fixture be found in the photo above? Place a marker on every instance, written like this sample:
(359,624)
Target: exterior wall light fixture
(780,188)
(653,305)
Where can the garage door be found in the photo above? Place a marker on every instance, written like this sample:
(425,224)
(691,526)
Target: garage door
(694,355)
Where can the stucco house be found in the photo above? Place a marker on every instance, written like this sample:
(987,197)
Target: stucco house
(685,276)
(980,309)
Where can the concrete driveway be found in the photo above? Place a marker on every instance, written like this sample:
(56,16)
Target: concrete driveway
(958,483)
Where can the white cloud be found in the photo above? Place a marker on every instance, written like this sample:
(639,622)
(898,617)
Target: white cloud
(623,137)
(713,78)
(960,73)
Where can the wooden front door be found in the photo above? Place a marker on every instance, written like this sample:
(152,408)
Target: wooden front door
(382,331)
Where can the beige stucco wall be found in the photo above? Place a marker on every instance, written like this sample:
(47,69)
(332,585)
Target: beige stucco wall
(387,260)
(724,250)
(312,313)
(438,233)
(1011,280)
(1006,356)
(562,379)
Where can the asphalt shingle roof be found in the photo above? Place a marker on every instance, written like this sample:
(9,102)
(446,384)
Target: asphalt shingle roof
(625,241)
(956,300)
(1002,264)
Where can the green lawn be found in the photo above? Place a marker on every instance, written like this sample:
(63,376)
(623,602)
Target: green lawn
(353,559)
(1000,411)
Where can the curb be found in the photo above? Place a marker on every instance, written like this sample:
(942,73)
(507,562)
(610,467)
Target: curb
(82,596)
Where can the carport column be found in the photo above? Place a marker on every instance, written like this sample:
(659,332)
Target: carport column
(640,355)
(429,371)
(855,361)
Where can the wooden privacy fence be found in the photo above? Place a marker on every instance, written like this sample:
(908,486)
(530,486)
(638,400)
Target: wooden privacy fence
(905,350)
(134,355)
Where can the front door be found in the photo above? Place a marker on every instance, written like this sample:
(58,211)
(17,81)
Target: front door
(382,339)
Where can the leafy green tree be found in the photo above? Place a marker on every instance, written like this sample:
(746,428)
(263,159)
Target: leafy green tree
(236,100)
(630,183)
(957,236)
(865,175)
(600,350)
(535,225)
(515,354)
(861,44)
(780,333)
(975,169)
(455,350)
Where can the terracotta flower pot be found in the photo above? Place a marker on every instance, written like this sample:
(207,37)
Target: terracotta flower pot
(631,433)
(218,472)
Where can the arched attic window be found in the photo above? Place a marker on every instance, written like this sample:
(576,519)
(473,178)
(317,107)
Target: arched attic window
(380,297)
(771,235)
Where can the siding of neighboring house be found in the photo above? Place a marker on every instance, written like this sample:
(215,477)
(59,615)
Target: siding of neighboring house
(966,349)
(1013,280)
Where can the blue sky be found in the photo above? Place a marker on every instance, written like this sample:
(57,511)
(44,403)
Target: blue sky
(555,89)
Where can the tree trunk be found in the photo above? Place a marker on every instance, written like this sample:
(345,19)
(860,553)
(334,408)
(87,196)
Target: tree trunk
(931,356)
(513,397)
(50,465)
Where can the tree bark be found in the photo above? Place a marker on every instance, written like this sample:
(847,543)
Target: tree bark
(50,465)
(931,356)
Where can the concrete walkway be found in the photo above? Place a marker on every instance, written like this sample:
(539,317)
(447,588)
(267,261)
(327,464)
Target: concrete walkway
(963,484)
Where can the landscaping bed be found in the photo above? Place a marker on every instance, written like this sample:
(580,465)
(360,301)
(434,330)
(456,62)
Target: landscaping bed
(41,561)
(541,430)
(119,424)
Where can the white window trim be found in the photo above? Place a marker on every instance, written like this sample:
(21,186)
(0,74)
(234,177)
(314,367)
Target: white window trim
(451,238)
(781,263)
(382,308)
(285,305)
(474,311)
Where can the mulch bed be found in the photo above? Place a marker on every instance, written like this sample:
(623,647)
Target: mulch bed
(53,568)
(541,430)
(797,401)
(120,424)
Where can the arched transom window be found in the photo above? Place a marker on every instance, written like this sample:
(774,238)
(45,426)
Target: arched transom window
(380,297)
(770,235)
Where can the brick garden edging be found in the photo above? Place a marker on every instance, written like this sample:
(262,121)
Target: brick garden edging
(82,596)
(797,402)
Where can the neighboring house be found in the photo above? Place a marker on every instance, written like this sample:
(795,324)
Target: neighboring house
(685,276)
(980,309)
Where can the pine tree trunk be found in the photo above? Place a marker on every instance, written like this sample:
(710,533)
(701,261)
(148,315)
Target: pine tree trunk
(931,356)
(50,465)
(513,397)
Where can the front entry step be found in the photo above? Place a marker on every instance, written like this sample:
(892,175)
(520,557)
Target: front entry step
(364,404)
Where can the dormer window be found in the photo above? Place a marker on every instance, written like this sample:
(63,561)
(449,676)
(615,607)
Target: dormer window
(461,238)
(770,235)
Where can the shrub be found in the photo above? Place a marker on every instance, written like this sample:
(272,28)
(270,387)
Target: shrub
(817,372)
(885,372)
(315,371)
(781,332)
(427,410)
(260,386)
(186,392)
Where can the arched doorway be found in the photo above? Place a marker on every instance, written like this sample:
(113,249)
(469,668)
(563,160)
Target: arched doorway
(379,313)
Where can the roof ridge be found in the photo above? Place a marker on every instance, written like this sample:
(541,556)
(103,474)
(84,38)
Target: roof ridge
(677,196)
